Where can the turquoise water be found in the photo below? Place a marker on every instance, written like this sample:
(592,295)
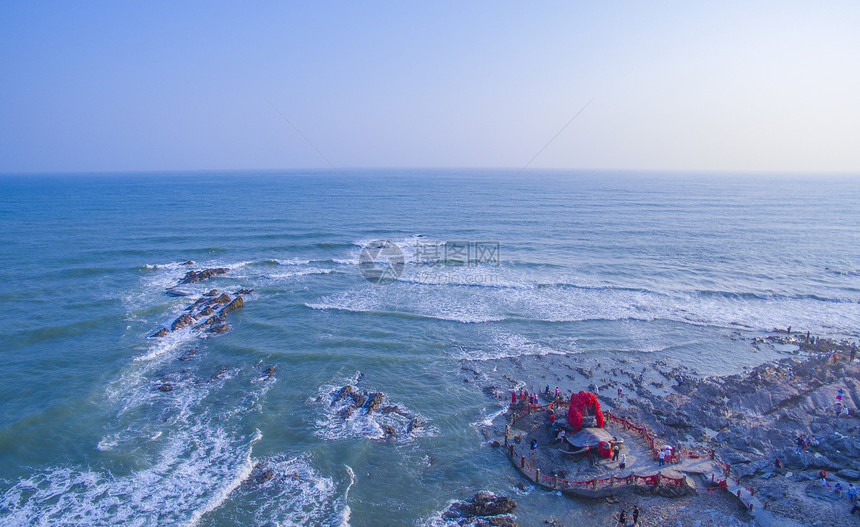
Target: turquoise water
(585,264)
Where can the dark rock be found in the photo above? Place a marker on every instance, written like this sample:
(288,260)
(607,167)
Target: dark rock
(389,430)
(815,490)
(196,303)
(358,399)
(672,491)
(235,304)
(495,443)
(413,424)
(849,474)
(389,409)
(208,321)
(223,298)
(373,401)
(188,262)
(343,392)
(496,521)
(772,492)
(211,293)
(218,328)
(218,373)
(193,276)
(206,312)
(188,354)
(346,412)
(181,322)
(167,387)
(260,474)
(244,291)
(270,372)
(161,333)
(733,457)
(481,504)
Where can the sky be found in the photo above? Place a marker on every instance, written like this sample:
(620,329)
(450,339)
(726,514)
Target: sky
(687,85)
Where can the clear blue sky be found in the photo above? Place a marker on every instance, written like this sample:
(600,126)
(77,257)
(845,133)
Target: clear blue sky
(734,85)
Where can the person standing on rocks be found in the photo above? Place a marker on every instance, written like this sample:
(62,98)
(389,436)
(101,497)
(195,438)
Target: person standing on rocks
(636,515)
(622,517)
(661,458)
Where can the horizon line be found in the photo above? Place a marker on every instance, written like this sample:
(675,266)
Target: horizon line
(319,169)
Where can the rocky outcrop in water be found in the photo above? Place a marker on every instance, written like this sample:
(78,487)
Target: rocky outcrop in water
(373,401)
(195,276)
(483,508)
(235,304)
(350,402)
(181,322)
(161,333)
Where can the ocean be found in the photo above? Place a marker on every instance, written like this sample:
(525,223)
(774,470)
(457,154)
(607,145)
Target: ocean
(391,281)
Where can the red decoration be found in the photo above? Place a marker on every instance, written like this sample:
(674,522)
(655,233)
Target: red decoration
(581,400)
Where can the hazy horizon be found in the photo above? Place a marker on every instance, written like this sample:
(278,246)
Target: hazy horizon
(671,86)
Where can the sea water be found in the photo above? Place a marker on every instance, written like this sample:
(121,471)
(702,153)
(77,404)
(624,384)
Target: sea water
(495,264)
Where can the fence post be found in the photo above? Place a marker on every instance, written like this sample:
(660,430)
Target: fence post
(537,476)
(507,431)
(555,482)
(612,480)
(522,461)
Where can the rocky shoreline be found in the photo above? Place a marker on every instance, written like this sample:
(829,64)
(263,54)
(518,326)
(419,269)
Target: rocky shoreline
(749,419)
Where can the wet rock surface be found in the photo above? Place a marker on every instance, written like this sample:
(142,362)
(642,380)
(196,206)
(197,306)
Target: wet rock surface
(483,508)
(198,276)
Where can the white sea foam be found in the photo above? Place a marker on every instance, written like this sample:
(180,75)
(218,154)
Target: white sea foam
(293,261)
(299,273)
(241,474)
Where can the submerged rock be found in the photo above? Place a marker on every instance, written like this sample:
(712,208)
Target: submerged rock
(219,328)
(413,424)
(188,354)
